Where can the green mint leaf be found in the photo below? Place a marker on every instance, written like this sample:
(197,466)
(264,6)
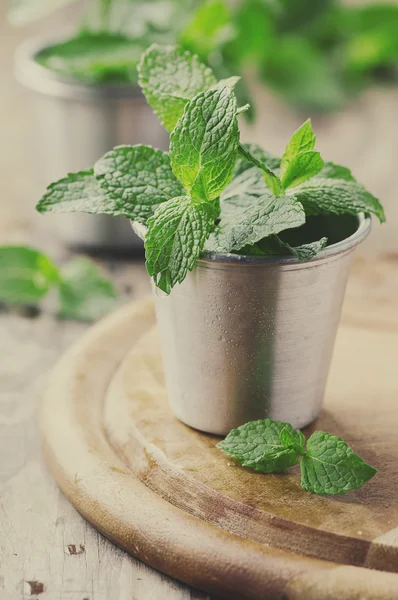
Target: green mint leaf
(258,445)
(322,195)
(243,109)
(244,226)
(204,144)
(332,171)
(138,178)
(302,140)
(300,168)
(78,192)
(254,151)
(208,29)
(102,57)
(299,161)
(175,238)
(243,190)
(170,77)
(85,293)
(229,82)
(302,75)
(306,252)
(26,275)
(331,467)
(270,177)
(294,440)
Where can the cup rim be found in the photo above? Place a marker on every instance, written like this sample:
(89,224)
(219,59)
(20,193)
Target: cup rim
(342,247)
(38,78)
(339,248)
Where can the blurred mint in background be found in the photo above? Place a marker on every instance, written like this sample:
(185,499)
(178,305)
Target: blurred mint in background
(27,275)
(314,54)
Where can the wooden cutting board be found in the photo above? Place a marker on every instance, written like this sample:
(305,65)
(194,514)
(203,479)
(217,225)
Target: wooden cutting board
(167,495)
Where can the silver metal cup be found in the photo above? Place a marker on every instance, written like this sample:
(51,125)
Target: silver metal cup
(245,338)
(73,126)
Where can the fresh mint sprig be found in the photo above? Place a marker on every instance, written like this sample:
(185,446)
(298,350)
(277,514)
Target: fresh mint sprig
(211,193)
(27,275)
(328,465)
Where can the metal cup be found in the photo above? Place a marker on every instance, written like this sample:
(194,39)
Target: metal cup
(245,338)
(74,125)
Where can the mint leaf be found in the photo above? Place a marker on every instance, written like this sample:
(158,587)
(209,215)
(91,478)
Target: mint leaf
(332,171)
(78,192)
(254,151)
(258,445)
(230,82)
(85,293)
(170,77)
(300,168)
(91,57)
(243,190)
(270,177)
(204,144)
(26,275)
(299,161)
(175,238)
(208,29)
(294,440)
(267,215)
(331,467)
(138,178)
(302,140)
(131,181)
(306,252)
(322,195)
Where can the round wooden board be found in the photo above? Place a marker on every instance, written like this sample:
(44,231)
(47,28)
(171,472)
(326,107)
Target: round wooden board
(167,495)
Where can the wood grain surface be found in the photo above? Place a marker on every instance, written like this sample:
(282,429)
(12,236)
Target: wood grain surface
(166,494)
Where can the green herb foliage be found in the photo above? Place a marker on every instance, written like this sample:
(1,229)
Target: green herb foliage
(211,193)
(27,275)
(328,465)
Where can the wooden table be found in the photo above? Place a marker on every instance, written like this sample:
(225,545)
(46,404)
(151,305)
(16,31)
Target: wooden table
(47,551)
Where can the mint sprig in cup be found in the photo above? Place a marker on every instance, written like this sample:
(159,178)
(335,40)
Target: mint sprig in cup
(250,250)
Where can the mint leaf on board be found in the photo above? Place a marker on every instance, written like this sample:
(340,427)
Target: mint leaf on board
(170,77)
(331,467)
(102,57)
(328,464)
(204,144)
(244,226)
(138,177)
(294,440)
(85,293)
(26,275)
(175,238)
(321,195)
(258,445)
